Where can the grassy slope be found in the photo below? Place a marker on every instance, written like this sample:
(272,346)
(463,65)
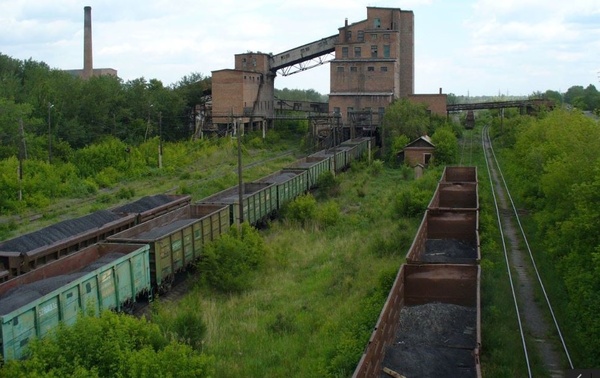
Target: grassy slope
(310,311)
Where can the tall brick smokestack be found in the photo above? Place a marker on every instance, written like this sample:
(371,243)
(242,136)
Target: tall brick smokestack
(88,65)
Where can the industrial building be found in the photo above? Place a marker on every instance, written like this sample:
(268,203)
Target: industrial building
(372,65)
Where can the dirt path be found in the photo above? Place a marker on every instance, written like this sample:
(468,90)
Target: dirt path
(536,324)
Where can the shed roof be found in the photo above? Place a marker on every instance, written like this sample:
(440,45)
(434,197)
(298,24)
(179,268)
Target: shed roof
(421,141)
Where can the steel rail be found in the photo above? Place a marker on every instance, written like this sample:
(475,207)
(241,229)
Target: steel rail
(484,136)
(537,273)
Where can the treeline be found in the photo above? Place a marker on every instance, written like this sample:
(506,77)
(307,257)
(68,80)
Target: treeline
(62,112)
(554,166)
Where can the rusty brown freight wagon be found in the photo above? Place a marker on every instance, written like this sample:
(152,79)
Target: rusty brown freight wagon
(29,251)
(459,174)
(455,195)
(176,239)
(446,236)
(430,325)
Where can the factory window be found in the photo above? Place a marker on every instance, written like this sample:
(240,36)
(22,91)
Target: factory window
(360,37)
(386,51)
(348,35)
(336,110)
(386,37)
(354,69)
(373,51)
(383,68)
(340,69)
(381,111)
(350,110)
(370,68)
(373,37)
(357,52)
(345,52)
(377,23)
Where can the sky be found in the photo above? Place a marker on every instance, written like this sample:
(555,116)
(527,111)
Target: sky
(465,47)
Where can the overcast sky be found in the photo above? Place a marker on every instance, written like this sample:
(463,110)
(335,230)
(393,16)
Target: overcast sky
(476,47)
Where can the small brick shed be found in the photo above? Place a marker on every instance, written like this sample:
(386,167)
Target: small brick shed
(419,151)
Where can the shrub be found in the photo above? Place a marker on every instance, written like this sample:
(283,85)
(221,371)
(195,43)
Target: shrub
(229,261)
(185,325)
(328,184)
(376,167)
(302,209)
(410,202)
(125,193)
(328,214)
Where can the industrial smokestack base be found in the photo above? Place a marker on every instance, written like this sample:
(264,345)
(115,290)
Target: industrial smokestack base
(88,64)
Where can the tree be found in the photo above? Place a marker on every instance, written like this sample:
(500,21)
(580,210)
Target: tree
(446,146)
(403,117)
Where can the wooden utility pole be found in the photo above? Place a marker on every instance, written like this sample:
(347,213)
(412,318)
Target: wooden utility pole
(240,181)
(160,152)
(22,155)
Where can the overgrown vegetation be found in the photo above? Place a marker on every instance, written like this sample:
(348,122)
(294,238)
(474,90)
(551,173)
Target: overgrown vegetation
(554,171)
(111,345)
(229,263)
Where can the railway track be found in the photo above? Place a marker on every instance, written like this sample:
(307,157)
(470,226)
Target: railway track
(466,148)
(524,277)
(64,209)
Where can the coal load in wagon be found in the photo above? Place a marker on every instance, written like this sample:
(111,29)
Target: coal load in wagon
(448,250)
(434,340)
(159,232)
(144,204)
(279,178)
(25,294)
(59,231)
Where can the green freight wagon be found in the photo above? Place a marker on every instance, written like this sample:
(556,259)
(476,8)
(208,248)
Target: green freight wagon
(176,239)
(259,201)
(290,184)
(336,156)
(363,145)
(315,165)
(100,277)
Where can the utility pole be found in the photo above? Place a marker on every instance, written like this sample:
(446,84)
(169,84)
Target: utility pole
(160,152)
(240,181)
(50,106)
(22,155)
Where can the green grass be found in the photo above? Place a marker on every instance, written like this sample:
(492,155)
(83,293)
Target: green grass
(310,311)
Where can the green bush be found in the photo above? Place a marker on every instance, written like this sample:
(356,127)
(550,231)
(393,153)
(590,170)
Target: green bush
(328,184)
(328,214)
(125,193)
(410,202)
(107,177)
(302,209)
(376,167)
(229,262)
(109,346)
(185,324)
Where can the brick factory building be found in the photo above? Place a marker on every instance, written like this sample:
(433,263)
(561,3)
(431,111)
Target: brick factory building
(371,66)
(374,62)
